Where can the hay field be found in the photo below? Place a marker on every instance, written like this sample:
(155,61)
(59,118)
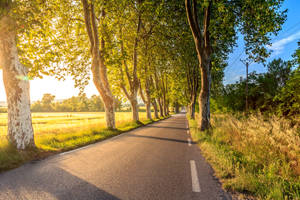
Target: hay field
(51,122)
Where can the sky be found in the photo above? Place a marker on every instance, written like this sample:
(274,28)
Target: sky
(283,46)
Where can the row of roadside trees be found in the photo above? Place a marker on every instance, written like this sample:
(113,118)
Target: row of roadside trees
(130,48)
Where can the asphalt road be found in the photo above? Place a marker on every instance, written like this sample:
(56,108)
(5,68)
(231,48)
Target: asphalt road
(149,163)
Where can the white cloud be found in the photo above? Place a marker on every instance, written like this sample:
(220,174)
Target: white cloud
(278,46)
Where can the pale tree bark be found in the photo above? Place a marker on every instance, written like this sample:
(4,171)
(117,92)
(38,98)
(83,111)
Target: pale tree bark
(204,50)
(161,109)
(132,97)
(98,67)
(20,131)
(159,90)
(154,104)
(148,104)
(164,88)
(154,100)
(146,100)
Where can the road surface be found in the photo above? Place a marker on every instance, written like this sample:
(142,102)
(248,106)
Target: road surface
(158,161)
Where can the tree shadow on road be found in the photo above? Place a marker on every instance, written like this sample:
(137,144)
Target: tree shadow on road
(167,127)
(34,182)
(160,138)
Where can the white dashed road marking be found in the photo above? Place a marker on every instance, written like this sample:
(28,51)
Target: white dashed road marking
(194,174)
(189,142)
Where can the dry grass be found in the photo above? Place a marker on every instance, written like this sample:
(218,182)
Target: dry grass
(254,155)
(45,123)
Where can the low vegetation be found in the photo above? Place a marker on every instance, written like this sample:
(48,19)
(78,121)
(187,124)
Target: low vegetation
(58,132)
(254,156)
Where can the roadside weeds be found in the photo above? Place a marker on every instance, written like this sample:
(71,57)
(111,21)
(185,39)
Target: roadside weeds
(254,158)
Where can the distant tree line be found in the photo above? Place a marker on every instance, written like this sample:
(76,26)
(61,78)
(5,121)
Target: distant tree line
(74,104)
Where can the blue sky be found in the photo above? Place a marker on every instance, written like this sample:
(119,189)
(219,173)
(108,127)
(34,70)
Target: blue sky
(284,45)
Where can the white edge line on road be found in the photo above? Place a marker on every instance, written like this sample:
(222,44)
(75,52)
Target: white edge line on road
(189,142)
(194,174)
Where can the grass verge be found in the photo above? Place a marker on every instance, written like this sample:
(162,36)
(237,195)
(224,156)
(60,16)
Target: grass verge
(49,144)
(255,158)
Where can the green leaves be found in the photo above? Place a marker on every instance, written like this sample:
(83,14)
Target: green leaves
(258,21)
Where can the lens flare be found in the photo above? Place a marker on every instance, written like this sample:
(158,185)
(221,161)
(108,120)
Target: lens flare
(24,78)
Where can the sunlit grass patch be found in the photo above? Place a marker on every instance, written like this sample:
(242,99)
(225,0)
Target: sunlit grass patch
(255,156)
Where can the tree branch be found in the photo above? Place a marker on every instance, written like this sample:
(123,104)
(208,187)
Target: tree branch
(88,22)
(192,22)
(94,28)
(206,24)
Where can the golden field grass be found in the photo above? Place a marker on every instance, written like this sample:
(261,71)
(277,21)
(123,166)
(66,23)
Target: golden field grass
(57,132)
(255,156)
(45,123)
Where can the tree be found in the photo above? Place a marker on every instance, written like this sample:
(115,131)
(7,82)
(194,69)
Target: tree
(47,101)
(131,77)
(60,49)
(214,24)
(296,55)
(98,61)
(13,17)
(288,98)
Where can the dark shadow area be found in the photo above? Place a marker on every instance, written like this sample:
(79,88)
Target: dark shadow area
(172,122)
(178,128)
(160,138)
(43,182)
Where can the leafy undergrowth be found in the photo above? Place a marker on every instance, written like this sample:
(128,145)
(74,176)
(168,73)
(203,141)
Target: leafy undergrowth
(49,144)
(254,157)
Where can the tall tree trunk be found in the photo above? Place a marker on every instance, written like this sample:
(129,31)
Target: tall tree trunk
(133,80)
(20,131)
(192,107)
(168,108)
(98,67)
(110,114)
(147,101)
(154,104)
(204,97)
(161,110)
(148,110)
(134,109)
(177,108)
(165,107)
(201,37)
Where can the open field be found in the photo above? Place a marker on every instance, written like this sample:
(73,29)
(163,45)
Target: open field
(57,132)
(255,156)
(48,123)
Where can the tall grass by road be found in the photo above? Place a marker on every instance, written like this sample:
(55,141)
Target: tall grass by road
(57,132)
(253,156)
